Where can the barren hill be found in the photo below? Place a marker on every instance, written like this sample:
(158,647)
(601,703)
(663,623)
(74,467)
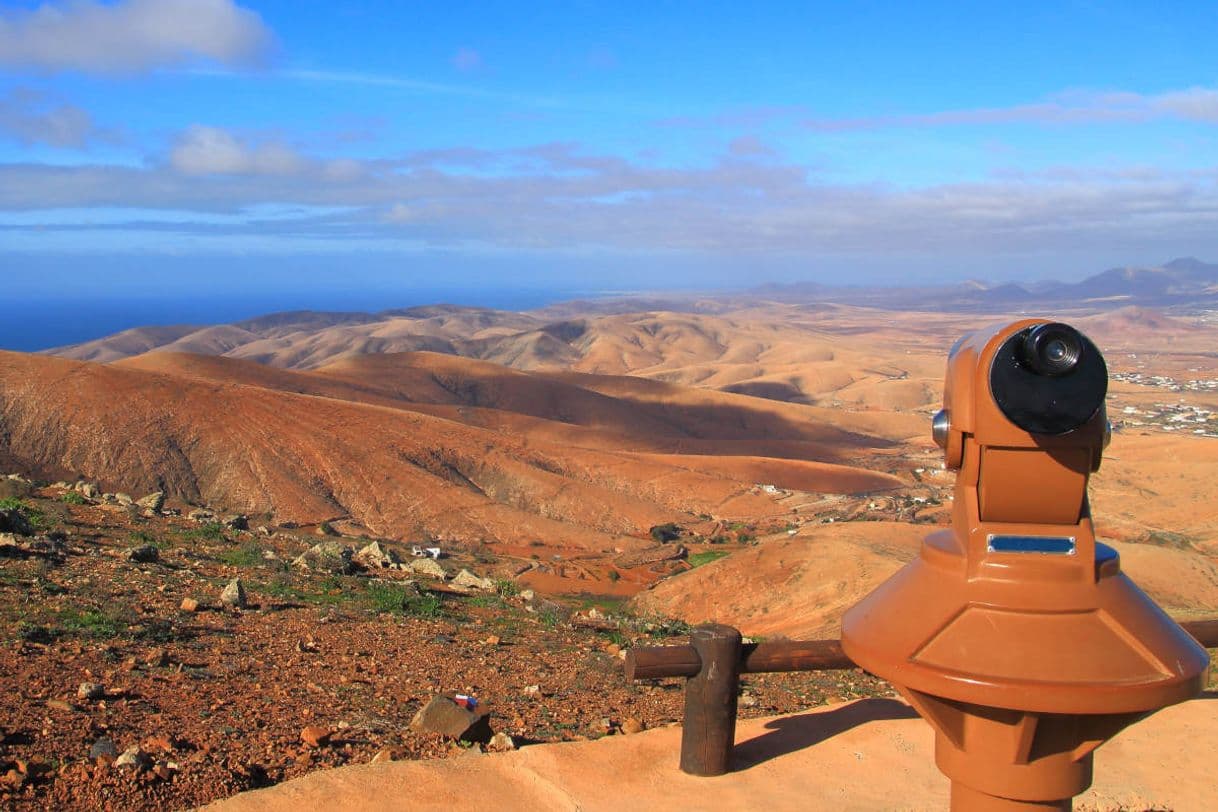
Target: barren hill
(802,354)
(401,445)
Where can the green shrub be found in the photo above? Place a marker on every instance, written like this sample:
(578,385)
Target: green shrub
(427,605)
(71,498)
(212,531)
(36,518)
(383,597)
(666,532)
(247,555)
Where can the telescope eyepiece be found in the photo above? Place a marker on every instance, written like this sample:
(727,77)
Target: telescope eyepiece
(1048,378)
(1052,349)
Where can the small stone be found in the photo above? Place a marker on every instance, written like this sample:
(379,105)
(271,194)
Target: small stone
(316,736)
(189,605)
(134,757)
(144,554)
(103,748)
(613,648)
(124,499)
(493,640)
(632,726)
(532,690)
(388,754)
(444,716)
(527,595)
(501,743)
(156,658)
(59,704)
(90,691)
(201,515)
(234,594)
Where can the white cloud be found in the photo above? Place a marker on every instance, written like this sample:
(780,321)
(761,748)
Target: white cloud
(130,35)
(204,150)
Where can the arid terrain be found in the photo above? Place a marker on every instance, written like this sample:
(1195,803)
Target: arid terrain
(604,477)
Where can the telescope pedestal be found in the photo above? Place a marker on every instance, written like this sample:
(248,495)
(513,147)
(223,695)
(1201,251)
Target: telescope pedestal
(967,799)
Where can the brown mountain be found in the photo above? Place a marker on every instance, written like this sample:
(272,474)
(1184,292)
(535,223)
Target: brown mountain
(422,443)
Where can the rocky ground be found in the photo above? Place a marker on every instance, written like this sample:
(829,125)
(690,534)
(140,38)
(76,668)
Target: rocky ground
(136,675)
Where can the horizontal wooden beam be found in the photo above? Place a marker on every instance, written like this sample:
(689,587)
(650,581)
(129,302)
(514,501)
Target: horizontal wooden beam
(651,662)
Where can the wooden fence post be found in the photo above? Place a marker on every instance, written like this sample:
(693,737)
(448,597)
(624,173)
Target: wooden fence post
(710,701)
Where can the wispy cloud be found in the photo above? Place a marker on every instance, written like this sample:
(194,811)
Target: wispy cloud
(1197,104)
(1192,104)
(422,86)
(130,35)
(32,117)
(556,197)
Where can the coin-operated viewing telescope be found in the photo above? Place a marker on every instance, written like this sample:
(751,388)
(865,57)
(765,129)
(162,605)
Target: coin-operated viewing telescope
(1014,633)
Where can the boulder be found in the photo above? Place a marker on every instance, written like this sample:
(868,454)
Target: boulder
(13,520)
(153,501)
(237,521)
(428,567)
(144,554)
(467,580)
(328,556)
(377,556)
(444,716)
(234,594)
(201,515)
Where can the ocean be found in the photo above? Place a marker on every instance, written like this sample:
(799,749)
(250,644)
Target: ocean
(32,324)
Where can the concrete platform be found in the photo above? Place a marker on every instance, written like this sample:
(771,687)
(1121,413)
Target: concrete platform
(871,754)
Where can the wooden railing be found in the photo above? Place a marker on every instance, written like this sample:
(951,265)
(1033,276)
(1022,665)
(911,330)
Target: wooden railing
(713,663)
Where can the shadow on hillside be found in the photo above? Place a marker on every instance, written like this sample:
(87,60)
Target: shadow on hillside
(793,733)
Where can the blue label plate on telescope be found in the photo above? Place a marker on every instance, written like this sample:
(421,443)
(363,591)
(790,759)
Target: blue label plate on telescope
(1047,545)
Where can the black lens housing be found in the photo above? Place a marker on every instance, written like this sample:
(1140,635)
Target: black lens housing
(1052,349)
(1049,379)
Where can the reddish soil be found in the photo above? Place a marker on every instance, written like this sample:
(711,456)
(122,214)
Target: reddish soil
(219,697)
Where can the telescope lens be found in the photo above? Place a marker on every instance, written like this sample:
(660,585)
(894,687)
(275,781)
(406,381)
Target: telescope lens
(1048,378)
(1052,349)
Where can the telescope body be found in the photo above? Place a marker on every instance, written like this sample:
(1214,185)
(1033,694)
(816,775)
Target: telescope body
(1014,633)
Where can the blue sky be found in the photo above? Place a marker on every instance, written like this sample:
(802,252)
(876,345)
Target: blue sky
(216,147)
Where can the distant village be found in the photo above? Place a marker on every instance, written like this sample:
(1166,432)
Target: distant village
(1169,416)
